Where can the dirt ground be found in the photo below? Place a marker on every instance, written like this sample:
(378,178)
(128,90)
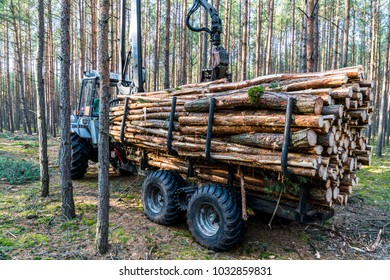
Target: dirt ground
(32,227)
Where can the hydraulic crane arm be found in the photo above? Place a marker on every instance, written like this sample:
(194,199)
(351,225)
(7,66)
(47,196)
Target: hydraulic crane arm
(216,23)
(220,66)
(134,56)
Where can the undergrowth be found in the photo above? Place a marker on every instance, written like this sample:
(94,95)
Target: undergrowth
(374,187)
(18,171)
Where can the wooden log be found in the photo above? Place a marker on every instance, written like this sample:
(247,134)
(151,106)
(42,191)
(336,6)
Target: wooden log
(346,189)
(329,81)
(304,104)
(155,116)
(228,130)
(341,93)
(254,118)
(336,110)
(300,139)
(155,124)
(321,194)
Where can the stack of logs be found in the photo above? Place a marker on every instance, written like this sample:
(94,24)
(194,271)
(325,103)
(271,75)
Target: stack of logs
(328,142)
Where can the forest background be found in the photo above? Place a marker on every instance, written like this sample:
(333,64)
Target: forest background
(262,37)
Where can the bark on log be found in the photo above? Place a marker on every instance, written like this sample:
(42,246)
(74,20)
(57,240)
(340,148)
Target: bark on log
(300,139)
(304,104)
(254,118)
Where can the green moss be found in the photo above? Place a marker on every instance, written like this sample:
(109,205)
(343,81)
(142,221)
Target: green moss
(140,100)
(33,239)
(44,220)
(88,222)
(70,225)
(6,242)
(120,234)
(254,93)
(274,85)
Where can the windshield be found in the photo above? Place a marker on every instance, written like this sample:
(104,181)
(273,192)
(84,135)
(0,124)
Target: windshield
(86,97)
(89,104)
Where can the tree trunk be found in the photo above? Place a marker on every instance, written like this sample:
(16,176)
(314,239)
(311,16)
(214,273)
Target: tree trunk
(20,74)
(156,46)
(310,35)
(292,39)
(336,55)
(41,113)
(82,36)
(226,24)
(183,70)
(166,39)
(93,34)
(268,52)
(303,54)
(344,61)
(8,83)
(68,208)
(51,86)
(316,36)
(244,41)
(385,87)
(104,138)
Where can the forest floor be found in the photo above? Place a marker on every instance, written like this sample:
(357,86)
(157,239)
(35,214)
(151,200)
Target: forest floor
(32,227)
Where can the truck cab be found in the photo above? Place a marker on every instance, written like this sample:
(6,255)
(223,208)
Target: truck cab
(85,122)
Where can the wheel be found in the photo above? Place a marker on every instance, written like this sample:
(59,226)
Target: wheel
(80,155)
(124,172)
(94,155)
(214,218)
(159,197)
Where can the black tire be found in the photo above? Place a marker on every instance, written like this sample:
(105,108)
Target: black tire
(214,218)
(159,197)
(124,172)
(80,155)
(94,155)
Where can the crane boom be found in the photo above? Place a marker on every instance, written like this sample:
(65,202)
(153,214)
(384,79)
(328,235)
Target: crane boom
(219,69)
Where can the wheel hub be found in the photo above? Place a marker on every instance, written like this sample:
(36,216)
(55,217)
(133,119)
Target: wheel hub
(208,220)
(156,201)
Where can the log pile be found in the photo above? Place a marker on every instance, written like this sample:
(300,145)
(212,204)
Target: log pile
(328,144)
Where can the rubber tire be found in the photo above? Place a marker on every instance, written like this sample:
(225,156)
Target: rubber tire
(165,184)
(225,204)
(124,172)
(80,155)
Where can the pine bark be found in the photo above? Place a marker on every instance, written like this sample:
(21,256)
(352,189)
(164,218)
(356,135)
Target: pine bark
(385,85)
(102,226)
(20,69)
(183,70)
(166,40)
(258,38)
(310,35)
(8,83)
(336,55)
(41,112)
(68,208)
(268,62)
(344,61)
(156,46)
(244,40)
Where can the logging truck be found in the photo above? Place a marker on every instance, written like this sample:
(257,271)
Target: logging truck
(283,144)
